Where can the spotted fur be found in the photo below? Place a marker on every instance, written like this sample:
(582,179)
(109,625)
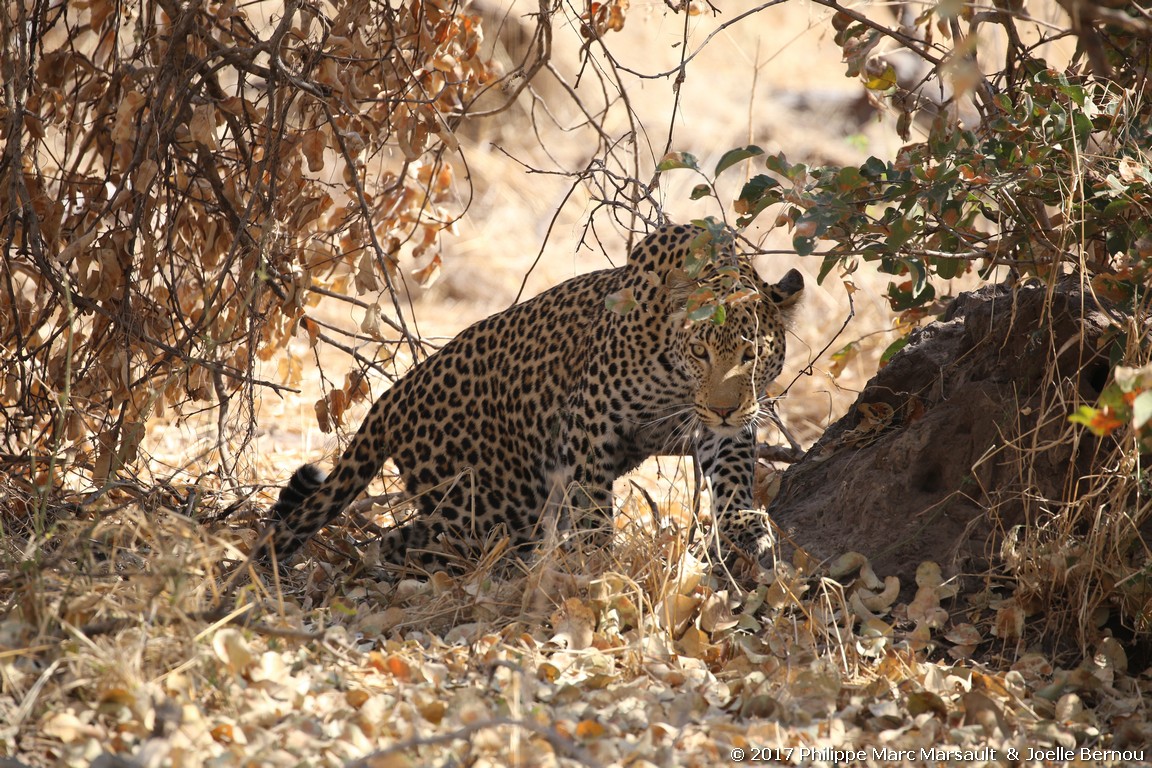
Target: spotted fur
(540,407)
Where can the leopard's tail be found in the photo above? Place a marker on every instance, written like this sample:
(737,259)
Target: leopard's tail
(285,532)
(302,484)
(312,500)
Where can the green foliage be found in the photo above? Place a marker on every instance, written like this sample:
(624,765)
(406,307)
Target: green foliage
(1048,174)
(722,286)
(1053,177)
(963,198)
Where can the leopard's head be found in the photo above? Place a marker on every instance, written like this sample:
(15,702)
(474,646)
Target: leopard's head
(728,365)
(733,362)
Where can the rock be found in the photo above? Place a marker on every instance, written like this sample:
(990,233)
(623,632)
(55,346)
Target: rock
(963,435)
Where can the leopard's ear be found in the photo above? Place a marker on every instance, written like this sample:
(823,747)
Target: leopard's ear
(677,279)
(678,286)
(786,293)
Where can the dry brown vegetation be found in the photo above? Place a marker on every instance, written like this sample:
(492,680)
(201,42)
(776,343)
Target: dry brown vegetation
(223,229)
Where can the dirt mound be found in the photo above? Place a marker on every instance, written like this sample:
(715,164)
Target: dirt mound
(963,435)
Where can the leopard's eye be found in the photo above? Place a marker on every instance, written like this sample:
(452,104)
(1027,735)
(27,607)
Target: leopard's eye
(698,350)
(750,354)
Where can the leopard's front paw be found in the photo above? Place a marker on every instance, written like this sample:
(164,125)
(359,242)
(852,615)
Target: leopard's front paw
(748,538)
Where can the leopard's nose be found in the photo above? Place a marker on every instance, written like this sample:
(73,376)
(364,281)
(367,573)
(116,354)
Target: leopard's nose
(723,411)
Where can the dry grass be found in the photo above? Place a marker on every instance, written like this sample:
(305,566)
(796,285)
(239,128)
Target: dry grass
(121,640)
(1079,565)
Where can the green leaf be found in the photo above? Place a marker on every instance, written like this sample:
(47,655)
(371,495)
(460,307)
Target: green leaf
(621,301)
(1074,92)
(892,349)
(699,191)
(830,261)
(803,245)
(674,160)
(1084,415)
(1082,127)
(902,298)
(758,193)
(701,304)
(728,275)
(733,156)
(696,260)
(716,229)
(1115,208)
(1099,422)
(874,167)
(850,179)
(702,249)
(917,270)
(949,268)
(778,163)
(756,186)
(701,313)
(903,230)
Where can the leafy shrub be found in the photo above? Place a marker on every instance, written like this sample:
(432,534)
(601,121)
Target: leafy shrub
(180,179)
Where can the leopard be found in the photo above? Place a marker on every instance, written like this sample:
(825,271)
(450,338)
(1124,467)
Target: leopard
(539,408)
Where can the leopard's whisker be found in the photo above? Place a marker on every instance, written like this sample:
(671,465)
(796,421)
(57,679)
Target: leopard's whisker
(675,414)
